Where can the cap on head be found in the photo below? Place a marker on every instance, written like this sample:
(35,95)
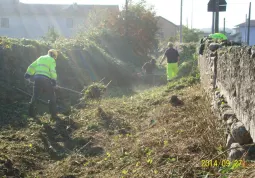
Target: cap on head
(53,53)
(170,45)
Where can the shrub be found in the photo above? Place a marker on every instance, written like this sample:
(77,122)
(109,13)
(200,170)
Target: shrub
(139,22)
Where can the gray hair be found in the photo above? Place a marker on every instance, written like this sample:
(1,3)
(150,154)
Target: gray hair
(170,45)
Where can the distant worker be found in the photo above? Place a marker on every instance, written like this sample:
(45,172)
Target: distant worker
(173,60)
(148,67)
(43,72)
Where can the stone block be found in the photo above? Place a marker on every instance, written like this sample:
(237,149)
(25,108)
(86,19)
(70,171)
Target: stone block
(227,114)
(230,140)
(236,152)
(240,134)
(231,120)
(251,151)
(214,46)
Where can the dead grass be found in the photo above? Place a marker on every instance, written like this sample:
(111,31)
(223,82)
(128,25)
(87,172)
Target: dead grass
(138,136)
(144,136)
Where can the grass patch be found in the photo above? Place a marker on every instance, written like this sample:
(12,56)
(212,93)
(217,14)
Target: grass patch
(132,136)
(182,83)
(140,135)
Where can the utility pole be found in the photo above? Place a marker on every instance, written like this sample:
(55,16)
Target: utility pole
(191,26)
(245,31)
(249,24)
(213,21)
(181,24)
(224,26)
(217,16)
(126,31)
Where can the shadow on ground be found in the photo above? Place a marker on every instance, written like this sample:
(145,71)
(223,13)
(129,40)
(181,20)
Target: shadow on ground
(59,144)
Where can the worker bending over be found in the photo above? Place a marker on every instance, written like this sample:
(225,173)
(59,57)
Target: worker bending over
(149,67)
(43,72)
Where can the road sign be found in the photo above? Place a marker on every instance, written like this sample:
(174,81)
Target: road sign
(212,6)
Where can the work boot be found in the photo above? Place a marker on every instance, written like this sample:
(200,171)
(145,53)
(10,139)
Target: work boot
(55,117)
(31,110)
(57,120)
(52,109)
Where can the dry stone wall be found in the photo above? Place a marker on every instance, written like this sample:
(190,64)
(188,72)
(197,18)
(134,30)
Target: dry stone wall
(228,77)
(231,70)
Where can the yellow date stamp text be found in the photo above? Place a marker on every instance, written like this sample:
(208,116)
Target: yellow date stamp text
(221,163)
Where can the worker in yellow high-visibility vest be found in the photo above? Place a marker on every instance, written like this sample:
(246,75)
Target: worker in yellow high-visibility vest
(43,72)
(173,60)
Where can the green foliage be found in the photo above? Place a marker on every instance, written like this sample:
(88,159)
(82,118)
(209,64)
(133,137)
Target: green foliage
(51,36)
(93,127)
(182,83)
(189,67)
(185,68)
(95,91)
(188,35)
(191,35)
(138,25)
(173,39)
(186,51)
(235,165)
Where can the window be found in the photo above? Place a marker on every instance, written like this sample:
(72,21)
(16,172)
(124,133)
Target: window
(4,23)
(69,23)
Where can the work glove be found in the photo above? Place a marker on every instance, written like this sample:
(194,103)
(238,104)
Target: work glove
(27,76)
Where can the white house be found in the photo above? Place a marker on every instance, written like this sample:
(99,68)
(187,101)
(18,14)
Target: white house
(32,21)
(243,30)
(166,29)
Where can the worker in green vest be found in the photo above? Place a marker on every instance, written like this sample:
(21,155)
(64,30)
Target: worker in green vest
(219,36)
(43,72)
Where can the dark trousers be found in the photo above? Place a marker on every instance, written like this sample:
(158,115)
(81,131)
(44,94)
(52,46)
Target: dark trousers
(43,84)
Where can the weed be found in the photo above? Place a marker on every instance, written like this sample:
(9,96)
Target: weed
(93,126)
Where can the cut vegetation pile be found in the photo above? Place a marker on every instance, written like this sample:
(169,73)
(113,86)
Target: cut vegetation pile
(145,135)
(95,91)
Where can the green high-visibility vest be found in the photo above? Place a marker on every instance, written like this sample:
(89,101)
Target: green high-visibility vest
(44,65)
(218,36)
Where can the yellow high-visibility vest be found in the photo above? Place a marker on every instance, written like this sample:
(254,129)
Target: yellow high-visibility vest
(44,65)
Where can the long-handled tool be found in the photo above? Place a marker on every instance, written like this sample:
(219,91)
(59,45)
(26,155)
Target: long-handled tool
(63,88)
(42,101)
(70,90)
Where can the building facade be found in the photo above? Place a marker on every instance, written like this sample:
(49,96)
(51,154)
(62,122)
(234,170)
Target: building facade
(32,21)
(243,30)
(166,28)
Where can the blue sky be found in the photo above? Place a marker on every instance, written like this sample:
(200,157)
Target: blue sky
(235,14)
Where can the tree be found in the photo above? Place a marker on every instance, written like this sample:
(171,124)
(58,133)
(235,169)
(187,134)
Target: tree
(51,35)
(190,35)
(141,25)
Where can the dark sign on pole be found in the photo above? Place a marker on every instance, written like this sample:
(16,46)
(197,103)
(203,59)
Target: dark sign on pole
(212,6)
